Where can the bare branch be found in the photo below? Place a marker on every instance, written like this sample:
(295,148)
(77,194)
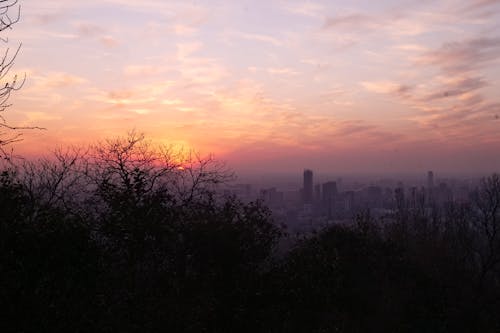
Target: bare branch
(7,21)
(10,13)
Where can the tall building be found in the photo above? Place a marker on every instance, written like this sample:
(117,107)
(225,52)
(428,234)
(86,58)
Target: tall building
(317,194)
(430,187)
(399,196)
(329,197)
(272,197)
(308,186)
(430,180)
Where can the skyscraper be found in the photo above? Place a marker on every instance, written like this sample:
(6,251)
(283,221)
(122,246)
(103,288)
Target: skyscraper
(317,194)
(430,187)
(308,186)
(329,197)
(430,180)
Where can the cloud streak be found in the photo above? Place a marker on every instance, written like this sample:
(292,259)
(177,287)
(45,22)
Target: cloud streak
(464,56)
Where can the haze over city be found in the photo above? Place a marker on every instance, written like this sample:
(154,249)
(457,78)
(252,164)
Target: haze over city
(336,86)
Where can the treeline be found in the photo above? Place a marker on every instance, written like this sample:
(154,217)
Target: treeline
(126,237)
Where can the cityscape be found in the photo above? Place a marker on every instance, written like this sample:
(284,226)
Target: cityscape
(318,204)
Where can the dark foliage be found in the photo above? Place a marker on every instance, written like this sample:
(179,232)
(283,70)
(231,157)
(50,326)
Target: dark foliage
(87,244)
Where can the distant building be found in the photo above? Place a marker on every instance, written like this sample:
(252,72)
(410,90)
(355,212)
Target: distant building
(399,196)
(413,197)
(430,179)
(242,191)
(329,197)
(430,188)
(308,187)
(272,197)
(373,197)
(348,197)
(443,194)
(317,193)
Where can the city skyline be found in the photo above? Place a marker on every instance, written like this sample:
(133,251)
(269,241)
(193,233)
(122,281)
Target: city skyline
(268,86)
(315,203)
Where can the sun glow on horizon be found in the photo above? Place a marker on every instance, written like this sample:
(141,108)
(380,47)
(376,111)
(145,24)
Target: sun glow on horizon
(272,84)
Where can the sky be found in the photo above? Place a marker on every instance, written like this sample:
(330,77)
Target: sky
(275,85)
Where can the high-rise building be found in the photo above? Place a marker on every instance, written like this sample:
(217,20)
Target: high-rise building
(430,180)
(272,197)
(430,187)
(308,186)
(317,194)
(329,197)
(399,196)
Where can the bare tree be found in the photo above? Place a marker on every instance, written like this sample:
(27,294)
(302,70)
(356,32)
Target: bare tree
(134,166)
(6,19)
(55,181)
(129,165)
(10,13)
(486,223)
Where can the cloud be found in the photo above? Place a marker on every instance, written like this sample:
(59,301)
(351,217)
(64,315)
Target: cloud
(282,71)
(484,3)
(172,102)
(257,37)
(185,50)
(464,123)
(96,32)
(53,80)
(184,18)
(109,41)
(390,22)
(184,29)
(141,70)
(481,8)
(46,18)
(386,87)
(448,89)
(308,9)
(356,21)
(202,71)
(88,29)
(453,103)
(411,48)
(137,97)
(414,18)
(457,87)
(35,117)
(352,127)
(464,56)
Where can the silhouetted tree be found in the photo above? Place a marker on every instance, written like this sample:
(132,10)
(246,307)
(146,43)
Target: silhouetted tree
(131,237)
(10,12)
(486,224)
(126,236)
(48,264)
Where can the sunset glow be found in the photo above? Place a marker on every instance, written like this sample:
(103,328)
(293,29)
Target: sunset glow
(268,85)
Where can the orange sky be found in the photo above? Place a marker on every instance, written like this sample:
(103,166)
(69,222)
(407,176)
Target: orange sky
(268,85)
